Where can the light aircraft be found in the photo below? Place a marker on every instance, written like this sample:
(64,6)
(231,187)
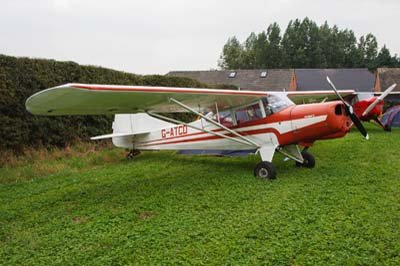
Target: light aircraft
(367,106)
(371,108)
(264,122)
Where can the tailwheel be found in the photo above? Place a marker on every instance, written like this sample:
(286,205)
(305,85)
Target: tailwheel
(132,153)
(309,160)
(265,170)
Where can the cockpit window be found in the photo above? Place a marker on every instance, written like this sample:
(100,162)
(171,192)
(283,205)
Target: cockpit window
(269,105)
(248,113)
(274,103)
(224,118)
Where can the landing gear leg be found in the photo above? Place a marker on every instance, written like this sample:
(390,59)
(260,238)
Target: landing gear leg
(265,170)
(386,128)
(132,153)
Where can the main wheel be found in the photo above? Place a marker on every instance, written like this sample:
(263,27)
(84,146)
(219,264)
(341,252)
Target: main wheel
(132,153)
(309,160)
(265,170)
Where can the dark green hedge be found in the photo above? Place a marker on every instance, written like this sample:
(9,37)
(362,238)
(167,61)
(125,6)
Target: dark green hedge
(21,77)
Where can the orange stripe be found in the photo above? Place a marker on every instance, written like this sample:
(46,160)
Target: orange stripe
(161,89)
(245,133)
(266,120)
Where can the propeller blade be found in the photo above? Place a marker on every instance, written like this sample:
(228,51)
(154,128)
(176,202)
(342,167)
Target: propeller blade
(336,91)
(350,112)
(359,125)
(380,98)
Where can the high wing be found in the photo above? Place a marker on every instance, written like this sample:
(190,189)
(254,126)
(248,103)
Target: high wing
(301,97)
(86,99)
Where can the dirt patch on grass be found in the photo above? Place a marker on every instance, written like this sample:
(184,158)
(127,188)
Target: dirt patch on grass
(80,220)
(147,215)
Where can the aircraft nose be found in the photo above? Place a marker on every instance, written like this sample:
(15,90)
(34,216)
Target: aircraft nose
(338,118)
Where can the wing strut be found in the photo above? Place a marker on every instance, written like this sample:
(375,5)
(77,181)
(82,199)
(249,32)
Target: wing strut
(197,128)
(250,142)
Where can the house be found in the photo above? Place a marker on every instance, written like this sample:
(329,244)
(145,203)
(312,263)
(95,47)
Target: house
(385,77)
(258,80)
(358,79)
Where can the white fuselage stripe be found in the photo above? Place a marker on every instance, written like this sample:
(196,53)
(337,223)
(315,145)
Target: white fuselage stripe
(282,127)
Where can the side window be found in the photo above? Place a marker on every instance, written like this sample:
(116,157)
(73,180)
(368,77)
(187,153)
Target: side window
(267,107)
(248,113)
(224,117)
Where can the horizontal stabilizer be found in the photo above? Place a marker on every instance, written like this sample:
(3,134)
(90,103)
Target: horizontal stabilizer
(118,135)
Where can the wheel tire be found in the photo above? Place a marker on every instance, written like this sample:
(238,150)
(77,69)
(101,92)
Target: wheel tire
(132,153)
(309,160)
(265,170)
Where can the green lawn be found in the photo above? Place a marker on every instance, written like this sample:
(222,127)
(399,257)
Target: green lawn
(96,208)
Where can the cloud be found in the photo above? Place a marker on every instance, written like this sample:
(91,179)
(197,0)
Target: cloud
(157,36)
(61,4)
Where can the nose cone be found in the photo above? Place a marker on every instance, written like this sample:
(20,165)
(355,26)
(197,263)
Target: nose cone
(338,122)
(338,119)
(320,121)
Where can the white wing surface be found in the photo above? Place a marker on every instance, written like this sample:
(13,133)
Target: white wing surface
(85,99)
(301,97)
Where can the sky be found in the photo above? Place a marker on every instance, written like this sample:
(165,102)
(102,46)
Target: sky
(158,36)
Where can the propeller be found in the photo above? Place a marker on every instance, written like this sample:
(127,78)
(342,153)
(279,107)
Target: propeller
(350,112)
(380,98)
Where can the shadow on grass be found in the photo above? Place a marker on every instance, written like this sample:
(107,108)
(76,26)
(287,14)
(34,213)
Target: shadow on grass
(157,176)
(230,164)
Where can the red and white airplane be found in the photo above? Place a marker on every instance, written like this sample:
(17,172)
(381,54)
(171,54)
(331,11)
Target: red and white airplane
(264,122)
(370,108)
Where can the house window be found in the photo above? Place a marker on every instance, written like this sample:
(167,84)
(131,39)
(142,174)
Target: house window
(263,74)
(232,74)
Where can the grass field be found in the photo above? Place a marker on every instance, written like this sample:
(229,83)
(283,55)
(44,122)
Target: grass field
(88,207)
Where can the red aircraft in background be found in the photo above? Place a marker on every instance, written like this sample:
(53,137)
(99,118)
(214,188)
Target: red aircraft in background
(371,108)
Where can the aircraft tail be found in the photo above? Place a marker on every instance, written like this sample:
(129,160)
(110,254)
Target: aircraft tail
(126,126)
(134,123)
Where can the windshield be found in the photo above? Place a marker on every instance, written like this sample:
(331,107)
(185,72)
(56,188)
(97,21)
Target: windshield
(276,102)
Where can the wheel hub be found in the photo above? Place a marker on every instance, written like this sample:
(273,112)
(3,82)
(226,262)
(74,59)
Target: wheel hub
(263,172)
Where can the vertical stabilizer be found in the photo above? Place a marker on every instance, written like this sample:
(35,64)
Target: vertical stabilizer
(134,123)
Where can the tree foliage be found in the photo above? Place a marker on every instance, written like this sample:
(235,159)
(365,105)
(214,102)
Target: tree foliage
(22,77)
(304,44)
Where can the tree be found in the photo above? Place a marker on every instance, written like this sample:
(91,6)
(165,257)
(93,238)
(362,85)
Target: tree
(349,48)
(249,53)
(274,50)
(231,57)
(304,44)
(384,59)
(293,45)
(368,47)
